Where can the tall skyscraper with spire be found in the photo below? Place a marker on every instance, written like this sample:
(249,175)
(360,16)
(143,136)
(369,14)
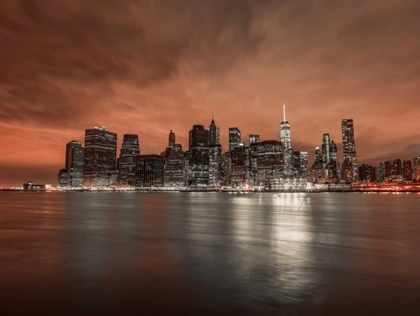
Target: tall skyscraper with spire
(350,169)
(214,133)
(215,155)
(287,144)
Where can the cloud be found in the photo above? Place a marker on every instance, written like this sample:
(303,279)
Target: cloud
(147,67)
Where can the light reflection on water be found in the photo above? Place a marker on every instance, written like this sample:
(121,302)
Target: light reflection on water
(209,254)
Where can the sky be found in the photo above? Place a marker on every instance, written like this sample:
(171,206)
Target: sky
(148,67)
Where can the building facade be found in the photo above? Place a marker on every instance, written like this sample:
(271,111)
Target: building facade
(350,168)
(100,157)
(198,157)
(234,137)
(416,168)
(73,166)
(287,145)
(130,149)
(149,171)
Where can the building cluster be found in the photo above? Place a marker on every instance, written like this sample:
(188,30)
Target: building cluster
(397,170)
(268,164)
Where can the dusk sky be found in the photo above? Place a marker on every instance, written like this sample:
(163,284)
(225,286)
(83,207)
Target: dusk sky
(147,67)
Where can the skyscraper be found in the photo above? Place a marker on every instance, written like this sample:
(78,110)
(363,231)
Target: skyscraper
(381,172)
(127,161)
(198,156)
(72,174)
(416,168)
(350,168)
(367,173)
(171,142)
(267,164)
(287,145)
(214,133)
(407,167)
(333,165)
(326,153)
(234,137)
(150,171)
(174,164)
(215,155)
(100,157)
(74,163)
(300,165)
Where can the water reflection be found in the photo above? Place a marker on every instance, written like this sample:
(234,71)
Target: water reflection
(209,254)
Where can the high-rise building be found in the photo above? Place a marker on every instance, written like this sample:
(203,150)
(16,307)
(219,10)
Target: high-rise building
(198,156)
(73,166)
(150,171)
(63,175)
(300,165)
(350,168)
(174,166)
(416,168)
(100,157)
(326,153)
(171,141)
(127,161)
(407,170)
(214,133)
(254,138)
(317,171)
(267,164)
(215,155)
(393,170)
(333,168)
(287,145)
(239,166)
(234,137)
(367,173)
(215,165)
(380,172)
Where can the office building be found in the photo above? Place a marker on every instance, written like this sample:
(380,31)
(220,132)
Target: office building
(198,157)
(214,134)
(239,166)
(350,168)
(130,149)
(100,157)
(149,171)
(367,173)
(72,173)
(300,165)
(416,168)
(287,145)
(380,172)
(267,165)
(234,137)
(407,170)
(171,141)
(174,166)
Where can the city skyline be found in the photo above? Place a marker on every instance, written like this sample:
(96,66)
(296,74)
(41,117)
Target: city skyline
(69,67)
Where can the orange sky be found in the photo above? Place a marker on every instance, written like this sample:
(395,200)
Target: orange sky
(148,67)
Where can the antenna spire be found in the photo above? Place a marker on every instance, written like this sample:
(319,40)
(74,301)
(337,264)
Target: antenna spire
(284,112)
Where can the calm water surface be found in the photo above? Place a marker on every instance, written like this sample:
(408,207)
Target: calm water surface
(209,254)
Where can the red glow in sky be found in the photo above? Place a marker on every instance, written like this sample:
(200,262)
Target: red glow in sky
(148,67)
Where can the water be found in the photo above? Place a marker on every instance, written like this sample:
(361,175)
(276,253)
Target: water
(209,254)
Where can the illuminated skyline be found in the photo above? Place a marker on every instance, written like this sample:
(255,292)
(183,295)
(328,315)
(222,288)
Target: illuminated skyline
(153,67)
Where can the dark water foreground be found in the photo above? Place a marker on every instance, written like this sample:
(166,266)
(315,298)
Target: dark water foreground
(209,254)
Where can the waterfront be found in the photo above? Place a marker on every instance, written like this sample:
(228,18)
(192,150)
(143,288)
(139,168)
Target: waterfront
(110,253)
